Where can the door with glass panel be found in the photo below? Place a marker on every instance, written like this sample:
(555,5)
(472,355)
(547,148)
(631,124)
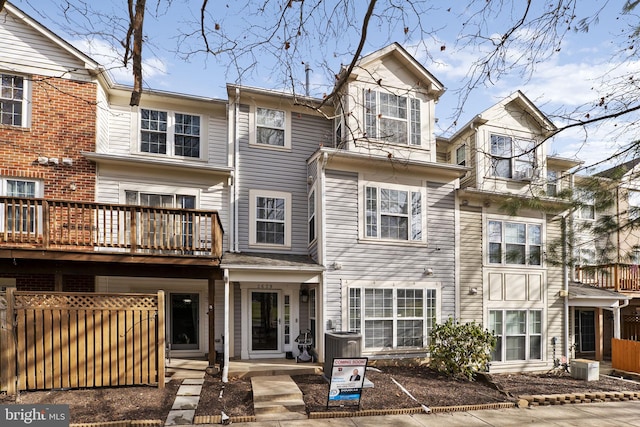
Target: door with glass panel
(266,321)
(183,321)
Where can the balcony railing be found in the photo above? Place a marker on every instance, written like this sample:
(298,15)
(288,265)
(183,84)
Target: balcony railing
(69,225)
(617,277)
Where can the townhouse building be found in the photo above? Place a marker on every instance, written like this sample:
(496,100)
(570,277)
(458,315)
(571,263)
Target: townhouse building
(265,215)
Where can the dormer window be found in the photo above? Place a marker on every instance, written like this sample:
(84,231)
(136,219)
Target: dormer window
(392,118)
(512,157)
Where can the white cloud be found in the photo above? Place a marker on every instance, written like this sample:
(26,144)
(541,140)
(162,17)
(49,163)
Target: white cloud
(153,68)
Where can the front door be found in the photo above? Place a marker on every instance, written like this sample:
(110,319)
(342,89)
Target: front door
(183,321)
(266,321)
(585,327)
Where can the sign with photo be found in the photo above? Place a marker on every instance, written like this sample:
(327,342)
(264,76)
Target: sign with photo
(347,379)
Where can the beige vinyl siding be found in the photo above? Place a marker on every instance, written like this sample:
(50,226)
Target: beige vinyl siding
(33,53)
(378,261)
(471,264)
(469,179)
(555,303)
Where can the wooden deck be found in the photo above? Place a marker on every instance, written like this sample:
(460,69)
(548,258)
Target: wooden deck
(78,226)
(616,277)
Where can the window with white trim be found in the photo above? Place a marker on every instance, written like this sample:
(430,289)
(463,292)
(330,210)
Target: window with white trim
(21,216)
(158,228)
(170,133)
(312,216)
(512,157)
(13,100)
(518,333)
(270,218)
(392,118)
(587,204)
(393,318)
(270,127)
(634,205)
(514,243)
(461,155)
(394,213)
(552,183)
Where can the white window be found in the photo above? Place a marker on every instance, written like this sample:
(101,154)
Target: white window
(634,205)
(394,213)
(392,118)
(270,222)
(13,103)
(312,216)
(586,204)
(552,183)
(393,318)
(461,155)
(270,127)
(162,229)
(519,334)
(512,157)
(21,216)
(169,133)
(514,243)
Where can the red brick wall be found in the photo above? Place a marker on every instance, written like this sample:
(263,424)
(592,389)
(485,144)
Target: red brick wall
(63,123)
(46,282)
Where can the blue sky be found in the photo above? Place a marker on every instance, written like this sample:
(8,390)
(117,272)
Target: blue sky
(570,78)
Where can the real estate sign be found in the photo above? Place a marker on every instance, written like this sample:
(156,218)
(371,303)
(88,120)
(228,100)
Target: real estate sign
(347,379)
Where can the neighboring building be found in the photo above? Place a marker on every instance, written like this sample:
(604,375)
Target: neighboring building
(100,196)
(509,216)
(607,260)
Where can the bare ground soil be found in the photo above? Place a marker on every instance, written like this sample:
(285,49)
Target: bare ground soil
(235,397)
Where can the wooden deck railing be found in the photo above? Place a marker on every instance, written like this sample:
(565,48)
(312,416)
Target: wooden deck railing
(70,225)
(617,277)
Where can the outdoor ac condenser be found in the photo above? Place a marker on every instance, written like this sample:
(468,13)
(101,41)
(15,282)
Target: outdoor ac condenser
(583,369)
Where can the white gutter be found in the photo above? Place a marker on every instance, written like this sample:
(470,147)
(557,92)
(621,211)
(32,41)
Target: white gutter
(225,369)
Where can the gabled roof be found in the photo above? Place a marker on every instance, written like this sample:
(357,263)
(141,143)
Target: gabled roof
(524,103)
(619,171)
(90,64)
(395,50)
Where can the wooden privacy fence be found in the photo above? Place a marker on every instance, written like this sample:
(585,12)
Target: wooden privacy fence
(77,340)
(625,355)
(631,327)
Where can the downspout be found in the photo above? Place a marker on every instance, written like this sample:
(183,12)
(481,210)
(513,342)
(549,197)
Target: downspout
(616,319)
(565,286)
(236,155)
(322,162)
(225,369)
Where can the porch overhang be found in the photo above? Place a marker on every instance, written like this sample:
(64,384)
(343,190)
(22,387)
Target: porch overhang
(271,267)
(581,295)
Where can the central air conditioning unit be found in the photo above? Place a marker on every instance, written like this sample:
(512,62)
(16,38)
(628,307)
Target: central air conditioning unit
(587,370)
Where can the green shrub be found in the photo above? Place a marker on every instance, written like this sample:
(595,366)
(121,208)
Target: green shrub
(460,350)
